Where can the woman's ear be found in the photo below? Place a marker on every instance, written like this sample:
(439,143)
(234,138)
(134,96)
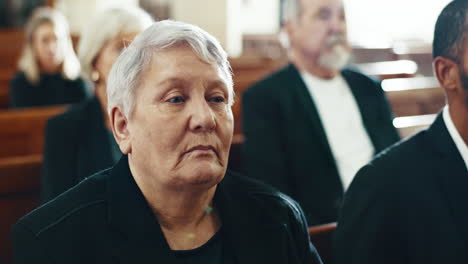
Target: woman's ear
(119,124)
(447,72)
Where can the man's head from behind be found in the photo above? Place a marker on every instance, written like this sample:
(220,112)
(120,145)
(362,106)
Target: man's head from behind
(316,32)
(450,51)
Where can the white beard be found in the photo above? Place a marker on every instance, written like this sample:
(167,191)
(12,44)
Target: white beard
(336,58)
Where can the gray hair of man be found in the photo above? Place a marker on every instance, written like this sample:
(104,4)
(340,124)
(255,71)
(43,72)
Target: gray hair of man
(291,12)
(126,73)
(103,27)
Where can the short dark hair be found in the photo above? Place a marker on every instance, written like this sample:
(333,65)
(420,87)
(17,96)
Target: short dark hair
(450,30)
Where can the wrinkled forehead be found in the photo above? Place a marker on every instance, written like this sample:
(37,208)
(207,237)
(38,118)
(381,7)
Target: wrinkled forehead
(182,65)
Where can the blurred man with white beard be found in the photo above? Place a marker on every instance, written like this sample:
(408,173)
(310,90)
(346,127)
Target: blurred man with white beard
(312,125)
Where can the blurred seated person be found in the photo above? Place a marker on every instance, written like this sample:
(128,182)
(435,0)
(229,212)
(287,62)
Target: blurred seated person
(170,199)
(79,142)
(409,205)
(310,126)
(49,69)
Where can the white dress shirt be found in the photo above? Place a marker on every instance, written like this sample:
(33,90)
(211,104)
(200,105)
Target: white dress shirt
(341,119)
(461,145)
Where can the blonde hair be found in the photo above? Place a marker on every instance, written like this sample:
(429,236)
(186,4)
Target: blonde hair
(105,26)
(28,62)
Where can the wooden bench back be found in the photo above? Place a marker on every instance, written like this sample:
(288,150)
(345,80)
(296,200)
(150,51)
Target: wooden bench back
(414,96)
(19,194)
(322,238)
(22,131)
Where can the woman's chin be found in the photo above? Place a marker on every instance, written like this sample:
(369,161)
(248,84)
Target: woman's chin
(203,173)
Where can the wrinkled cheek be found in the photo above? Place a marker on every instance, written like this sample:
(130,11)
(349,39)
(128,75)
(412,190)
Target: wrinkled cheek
(228,136)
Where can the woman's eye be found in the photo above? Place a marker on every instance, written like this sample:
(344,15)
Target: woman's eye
(176,100)
(217,99)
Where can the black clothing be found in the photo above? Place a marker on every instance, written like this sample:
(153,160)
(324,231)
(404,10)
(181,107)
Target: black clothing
(286,145)
(213,251)
(77,144)
(52,89)
(409,205)
(106,219)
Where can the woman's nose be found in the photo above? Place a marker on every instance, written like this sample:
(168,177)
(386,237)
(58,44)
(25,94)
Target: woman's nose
(202,117)
(52,46)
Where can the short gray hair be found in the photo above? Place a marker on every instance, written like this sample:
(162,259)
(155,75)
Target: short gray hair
(126,72)
(107,25)
(291,10)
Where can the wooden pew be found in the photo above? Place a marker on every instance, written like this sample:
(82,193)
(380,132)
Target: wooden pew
(22,131)
(389,69)
(4,101)
(12,43)
(414,96)
(322,238)
(361,54)
(19,194)
(408,125)
(6,74)
(417,51)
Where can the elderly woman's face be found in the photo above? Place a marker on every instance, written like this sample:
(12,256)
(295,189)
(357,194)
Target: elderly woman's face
(182,124)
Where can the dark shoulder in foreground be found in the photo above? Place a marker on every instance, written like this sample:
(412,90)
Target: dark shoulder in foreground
(398,165)
(88,193)
(408,152)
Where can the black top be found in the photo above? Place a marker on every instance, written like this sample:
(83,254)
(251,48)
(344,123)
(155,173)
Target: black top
(408,206)
(52,89)
(115,152)
(213,251)
(286,144)
(77,144)
(106,219)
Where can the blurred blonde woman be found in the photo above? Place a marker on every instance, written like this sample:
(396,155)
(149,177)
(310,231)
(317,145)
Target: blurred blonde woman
(79,142)
(48,68)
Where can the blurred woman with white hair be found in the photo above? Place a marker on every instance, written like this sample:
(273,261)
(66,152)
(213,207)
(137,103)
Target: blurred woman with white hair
(79,142)
(49,68)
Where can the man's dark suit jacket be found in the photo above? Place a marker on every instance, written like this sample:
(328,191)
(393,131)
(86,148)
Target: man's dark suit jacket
(286,145)
(77,144)
(106,219)
(409,205)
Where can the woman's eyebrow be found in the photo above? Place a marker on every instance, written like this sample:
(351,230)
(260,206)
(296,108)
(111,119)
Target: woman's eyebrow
(216,83)
(174,81)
